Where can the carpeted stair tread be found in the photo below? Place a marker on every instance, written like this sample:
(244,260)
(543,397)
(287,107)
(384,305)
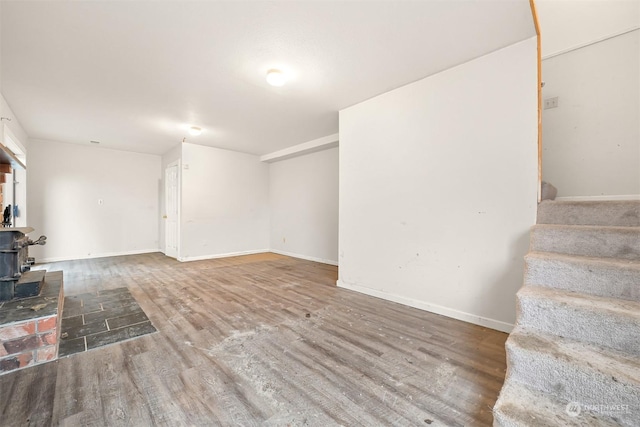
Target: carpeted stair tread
(586,240)
(575,371)
(577,335)
(609,322)
(520,406)
(625,213)
(616,278)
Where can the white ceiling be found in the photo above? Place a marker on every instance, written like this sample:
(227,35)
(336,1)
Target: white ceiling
(132,74)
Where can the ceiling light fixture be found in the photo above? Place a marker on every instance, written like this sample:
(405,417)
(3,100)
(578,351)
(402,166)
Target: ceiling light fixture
(195,131)
(276,77)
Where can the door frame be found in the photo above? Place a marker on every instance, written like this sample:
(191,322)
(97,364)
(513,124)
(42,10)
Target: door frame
(175,163)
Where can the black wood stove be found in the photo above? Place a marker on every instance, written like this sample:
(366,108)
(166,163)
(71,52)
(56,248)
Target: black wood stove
(16,279)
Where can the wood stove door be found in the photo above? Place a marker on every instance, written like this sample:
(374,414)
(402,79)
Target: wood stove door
(171,195)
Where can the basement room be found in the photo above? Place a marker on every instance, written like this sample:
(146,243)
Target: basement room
(320,213)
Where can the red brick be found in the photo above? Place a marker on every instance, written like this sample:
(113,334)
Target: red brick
(47,324)
(49,338)
(22,344)
(3,352)
(15,362)
(9,364)
(17,331)
(46,353)
(25,359)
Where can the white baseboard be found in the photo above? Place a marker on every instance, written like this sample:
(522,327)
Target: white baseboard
(187,259)
(308,258)
(102,255)
(433,308)
(225,255)
(598,198)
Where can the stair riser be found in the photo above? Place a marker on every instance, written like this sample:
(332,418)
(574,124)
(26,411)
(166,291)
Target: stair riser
(616,330)
(518,406)
(564,380)
(502,420)
(609,243)
(593,279)
(610,213)
(584,420)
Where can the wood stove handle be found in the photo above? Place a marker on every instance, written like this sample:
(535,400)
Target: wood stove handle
(42,240)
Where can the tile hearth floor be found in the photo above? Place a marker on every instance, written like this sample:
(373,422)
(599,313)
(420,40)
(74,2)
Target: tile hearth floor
(99,318)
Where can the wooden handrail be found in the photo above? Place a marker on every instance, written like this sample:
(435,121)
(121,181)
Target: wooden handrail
(536,24)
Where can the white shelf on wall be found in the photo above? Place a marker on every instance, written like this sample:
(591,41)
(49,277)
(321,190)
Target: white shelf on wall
(7,157)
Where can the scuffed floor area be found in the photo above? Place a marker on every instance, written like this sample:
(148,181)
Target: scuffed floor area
(260,340)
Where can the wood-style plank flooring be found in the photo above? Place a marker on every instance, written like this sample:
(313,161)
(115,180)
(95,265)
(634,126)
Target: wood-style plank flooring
(260,340)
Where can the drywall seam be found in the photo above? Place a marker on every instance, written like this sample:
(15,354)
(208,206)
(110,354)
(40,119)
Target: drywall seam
(591,42)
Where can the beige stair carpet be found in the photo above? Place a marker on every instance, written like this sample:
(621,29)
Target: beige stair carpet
(574,356)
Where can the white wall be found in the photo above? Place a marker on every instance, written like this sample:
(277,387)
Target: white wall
(13,127)
(438,189)
(225,203)
(591,141)
(566,24)
(303,199)
(65,183)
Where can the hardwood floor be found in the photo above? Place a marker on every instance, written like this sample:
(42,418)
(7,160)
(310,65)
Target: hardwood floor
(260,340)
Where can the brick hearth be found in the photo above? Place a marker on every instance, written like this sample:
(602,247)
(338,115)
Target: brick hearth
(29,327)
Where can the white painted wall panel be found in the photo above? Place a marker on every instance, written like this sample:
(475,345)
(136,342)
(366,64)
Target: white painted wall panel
(591,141)
(438,188)
(225,203)
(64,186)
(303,199)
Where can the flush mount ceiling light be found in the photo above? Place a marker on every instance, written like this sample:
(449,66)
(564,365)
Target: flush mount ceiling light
(195,131)
(276,77)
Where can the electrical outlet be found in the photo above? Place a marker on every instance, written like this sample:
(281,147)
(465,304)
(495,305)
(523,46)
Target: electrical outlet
(551,103)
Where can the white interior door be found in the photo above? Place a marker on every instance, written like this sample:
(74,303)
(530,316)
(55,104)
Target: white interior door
(171,206)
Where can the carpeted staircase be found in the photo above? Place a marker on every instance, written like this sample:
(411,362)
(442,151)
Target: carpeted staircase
(573,357)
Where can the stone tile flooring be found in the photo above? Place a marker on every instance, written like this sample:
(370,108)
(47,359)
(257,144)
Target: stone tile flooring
(100,318)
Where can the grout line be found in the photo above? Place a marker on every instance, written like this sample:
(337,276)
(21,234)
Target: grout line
(106,322)
(133,324)
(85,342)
